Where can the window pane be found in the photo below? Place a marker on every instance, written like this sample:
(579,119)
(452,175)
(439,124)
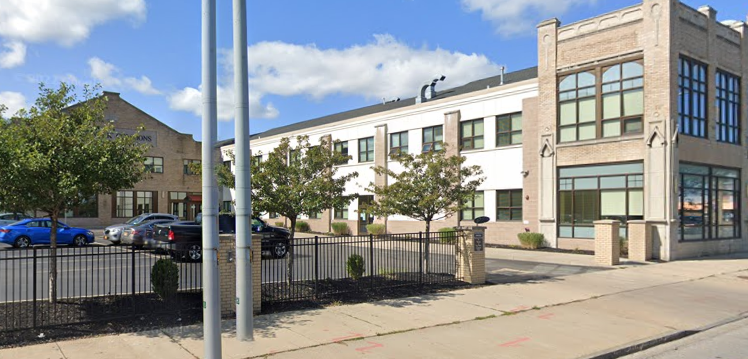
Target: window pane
(613,73)
(613,203)
(504,199)
(467,129)
(568,134)
(516,214)
(633,102)
(428,135)
(568,113)
(585,183)
(585,207)
(632,125)
(517,122)
(587,131)
(570,82)
(613,182)
(504,139)
(565,207)
(636,202)
(632,69)
(612,106)
(587,110)
(478,142)
(611,128)
(504,215)
(516,198)
(394,141)
(517,138)
(478,128)
(586,79)
(504,124)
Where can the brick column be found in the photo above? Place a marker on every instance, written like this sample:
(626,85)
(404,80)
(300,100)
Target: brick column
(227,274)
(471,255)
(640,241)
(607,242)
(256,261)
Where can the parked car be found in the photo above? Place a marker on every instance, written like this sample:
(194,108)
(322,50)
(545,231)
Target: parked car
(9,218)
(113,233)
(185,241)
(141,235)
(33,231)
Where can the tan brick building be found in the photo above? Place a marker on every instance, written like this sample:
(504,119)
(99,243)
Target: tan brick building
(168,188)
(635,115)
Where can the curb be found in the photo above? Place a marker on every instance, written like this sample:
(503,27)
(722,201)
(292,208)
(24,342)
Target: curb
(636,347)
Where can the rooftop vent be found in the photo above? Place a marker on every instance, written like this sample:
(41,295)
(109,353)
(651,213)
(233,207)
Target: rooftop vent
(422,97)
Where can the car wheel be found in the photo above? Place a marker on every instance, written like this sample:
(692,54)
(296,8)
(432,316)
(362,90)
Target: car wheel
(80,240)
(22,242)
(195,252)
(279,250)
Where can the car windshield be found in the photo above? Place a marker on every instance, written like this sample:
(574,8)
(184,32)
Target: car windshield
(135,220)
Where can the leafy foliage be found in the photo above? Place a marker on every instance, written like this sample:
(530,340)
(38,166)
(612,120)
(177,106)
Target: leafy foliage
(302,226)
(340,228)
(280,224)
(165,278)
(375,229)
(447,235)
(531,240)
(355,266)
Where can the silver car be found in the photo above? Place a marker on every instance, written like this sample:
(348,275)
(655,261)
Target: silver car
(113,233)
(8,218)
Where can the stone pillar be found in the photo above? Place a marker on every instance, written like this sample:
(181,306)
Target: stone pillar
(640,241)
(227,273)
(471,255)
(256,261)
(607,242)
(451,138)
(381,156)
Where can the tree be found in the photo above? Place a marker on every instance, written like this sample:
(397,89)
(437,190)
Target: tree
(300,180)
(62,152)
(431,186)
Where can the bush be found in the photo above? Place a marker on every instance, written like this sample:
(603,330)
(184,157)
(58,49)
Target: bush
(302,226)
(375,229)
(355,266)
(531,240)
(280,224)
(340,228)
(447,235)
(624,247)
(165,278)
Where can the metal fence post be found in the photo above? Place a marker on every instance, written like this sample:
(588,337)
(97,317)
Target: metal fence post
(132,271)
(420,257)
(316,266)
(371,260)
(34,290)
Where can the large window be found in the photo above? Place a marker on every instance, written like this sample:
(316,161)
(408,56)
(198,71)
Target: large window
(728,108)
(590,193)
(509,129)
(342,148)
(509,205)
(154,164)
(692,100)
(432,139)
(709,202)
(366,149)
(88,208)
(133,203)
(473,208)
(185,205)
(471,135)
(187,166)
(398,143)
(606,101)
(341,213)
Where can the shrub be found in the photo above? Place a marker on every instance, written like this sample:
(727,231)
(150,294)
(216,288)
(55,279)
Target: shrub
(280,224)
(302,226)
(340,228)
(375,229)
(531,240)
(355,266)
(447,235)
(165,278)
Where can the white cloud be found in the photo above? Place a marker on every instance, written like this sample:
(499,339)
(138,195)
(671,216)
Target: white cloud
(110,77)
(65,22)
(515,17)
(13,100)
(15,55)
(384,68)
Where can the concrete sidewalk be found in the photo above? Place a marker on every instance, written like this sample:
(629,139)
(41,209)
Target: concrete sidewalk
(577,316)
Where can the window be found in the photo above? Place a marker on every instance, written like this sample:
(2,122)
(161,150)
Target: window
(473,208)
(317,215)
(603,102)
(708,203)
(342,148)
(509,129)
(622,99)
(692,101)
(227,164)
(509,205)
(227,207)
(185,205)
(88,208)
(188,169)
(134,203)
(432,139)
(398,143)
(294,156)
(728,108)
(471,135)
(341,213)
(366,149)
(273,215)
(154,164)
(590,193)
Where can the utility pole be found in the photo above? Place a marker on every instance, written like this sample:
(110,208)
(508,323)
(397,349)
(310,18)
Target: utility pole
(211,301)
(243,188)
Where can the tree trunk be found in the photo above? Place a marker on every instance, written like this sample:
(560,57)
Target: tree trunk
(289,255)
(427,248)
(53,259)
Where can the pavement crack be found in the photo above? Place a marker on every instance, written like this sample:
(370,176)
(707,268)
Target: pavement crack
(60,349)
(365,321)
(173,340)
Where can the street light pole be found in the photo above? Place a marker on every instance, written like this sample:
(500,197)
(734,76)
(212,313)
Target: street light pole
(211,301)
(243,188)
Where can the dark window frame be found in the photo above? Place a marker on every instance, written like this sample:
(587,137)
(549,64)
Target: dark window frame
(434,144)
(340,211)
(366,154)
(634,83)
(512,207)
(342,148)
(710,200)
(468,142)
(153,167)
(510,132)
(186,167)
(471,208)
(400,149)
(136,196)
(693,98)
(728,101)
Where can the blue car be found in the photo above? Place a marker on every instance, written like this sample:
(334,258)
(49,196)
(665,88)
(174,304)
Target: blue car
(32,231)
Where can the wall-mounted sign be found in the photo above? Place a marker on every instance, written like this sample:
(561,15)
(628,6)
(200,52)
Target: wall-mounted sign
(478,241)
(144,137)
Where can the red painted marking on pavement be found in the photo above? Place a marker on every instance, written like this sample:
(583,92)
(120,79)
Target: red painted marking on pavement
(352,336)
(514,343)
(520,308)
(374,346)
(546,316)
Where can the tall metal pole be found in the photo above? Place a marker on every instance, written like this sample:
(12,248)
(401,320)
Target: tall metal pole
(243,190)
(211,301)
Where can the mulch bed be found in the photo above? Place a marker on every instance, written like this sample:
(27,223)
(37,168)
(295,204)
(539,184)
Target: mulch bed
(95,316)
(544,249)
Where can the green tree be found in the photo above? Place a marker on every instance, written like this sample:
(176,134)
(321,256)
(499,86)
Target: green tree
(431,186)
(300,180)
(61,152)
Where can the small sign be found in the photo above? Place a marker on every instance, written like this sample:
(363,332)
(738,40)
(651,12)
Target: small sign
(478,241)
(205,304)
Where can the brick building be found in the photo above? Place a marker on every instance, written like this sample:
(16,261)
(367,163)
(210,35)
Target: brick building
(638,114)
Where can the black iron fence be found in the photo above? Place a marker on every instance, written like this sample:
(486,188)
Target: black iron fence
(323,267)
(94,283)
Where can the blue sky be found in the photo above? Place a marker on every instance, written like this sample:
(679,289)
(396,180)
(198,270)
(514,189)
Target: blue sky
(307,58)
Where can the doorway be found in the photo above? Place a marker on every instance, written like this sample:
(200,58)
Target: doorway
(364,217)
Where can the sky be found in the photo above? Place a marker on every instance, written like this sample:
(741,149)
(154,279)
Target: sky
(307,59)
